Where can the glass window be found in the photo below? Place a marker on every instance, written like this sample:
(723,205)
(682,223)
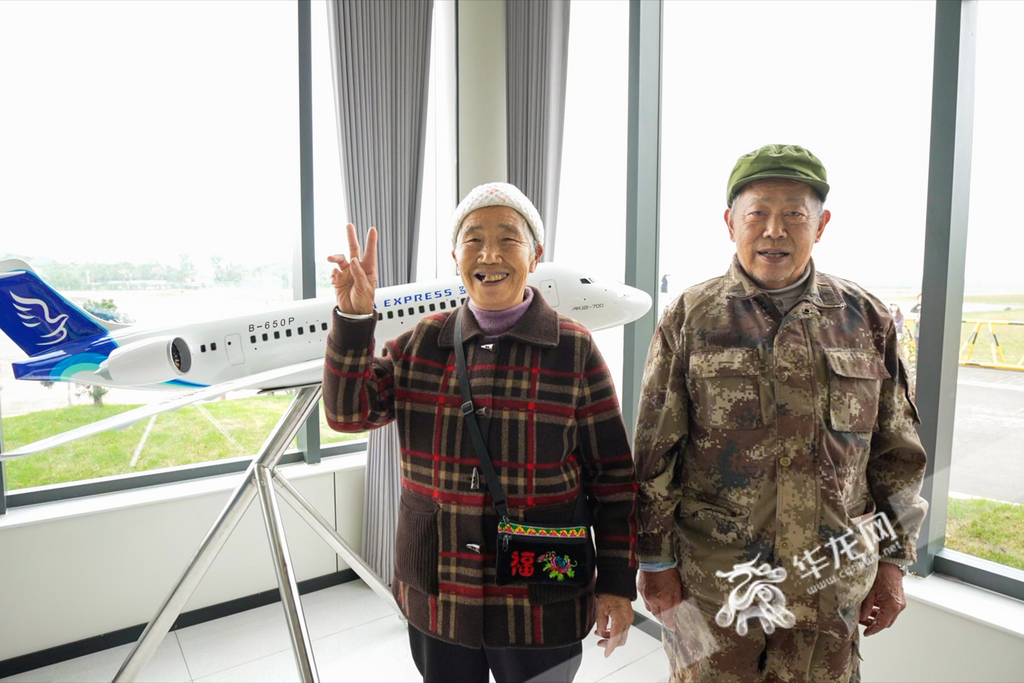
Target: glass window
(591,225)
(161,188)
(857,87)
(986,479)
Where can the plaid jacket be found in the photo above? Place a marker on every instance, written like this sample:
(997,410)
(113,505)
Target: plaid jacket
(551,419)
(788,440)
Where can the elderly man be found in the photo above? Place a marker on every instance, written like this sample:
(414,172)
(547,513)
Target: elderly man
(776,454)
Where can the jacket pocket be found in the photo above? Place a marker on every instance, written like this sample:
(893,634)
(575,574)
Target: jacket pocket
(861,510)
(854,382)
(713,518)
(727,387)
(416,544)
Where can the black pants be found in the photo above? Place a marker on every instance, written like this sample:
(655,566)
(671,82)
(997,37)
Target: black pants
(441,662)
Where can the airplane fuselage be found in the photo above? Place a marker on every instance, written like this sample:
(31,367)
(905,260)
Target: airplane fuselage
(208,353)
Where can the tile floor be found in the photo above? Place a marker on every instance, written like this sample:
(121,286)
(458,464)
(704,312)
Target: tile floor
(356,637)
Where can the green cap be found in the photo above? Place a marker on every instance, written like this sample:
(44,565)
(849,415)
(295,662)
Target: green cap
(790,162)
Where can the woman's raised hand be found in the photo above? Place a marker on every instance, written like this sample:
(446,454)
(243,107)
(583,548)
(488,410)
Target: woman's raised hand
(355,278)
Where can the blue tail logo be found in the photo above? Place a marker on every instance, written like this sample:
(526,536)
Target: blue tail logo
(35,316)
(31,319)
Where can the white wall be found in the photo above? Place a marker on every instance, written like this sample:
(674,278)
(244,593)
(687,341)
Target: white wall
(81,568)
(949,632)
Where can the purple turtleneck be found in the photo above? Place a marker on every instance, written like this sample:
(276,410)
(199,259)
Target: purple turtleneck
(497,323)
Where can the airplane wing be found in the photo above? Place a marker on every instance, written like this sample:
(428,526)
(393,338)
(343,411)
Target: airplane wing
(125,419)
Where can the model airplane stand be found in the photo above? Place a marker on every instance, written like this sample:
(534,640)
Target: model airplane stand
(261,479)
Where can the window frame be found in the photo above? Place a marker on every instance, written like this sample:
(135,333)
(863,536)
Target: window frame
(304,287)
(53,493)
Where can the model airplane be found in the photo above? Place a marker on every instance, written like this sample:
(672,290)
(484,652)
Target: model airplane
(279,348)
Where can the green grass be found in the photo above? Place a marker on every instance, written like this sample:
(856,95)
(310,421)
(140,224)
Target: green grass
(177,438)
(988,529)
(1012,299)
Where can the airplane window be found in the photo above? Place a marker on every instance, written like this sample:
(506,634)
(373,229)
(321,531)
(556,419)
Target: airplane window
(312,329)
(586,281)
(302,330)
(252,339)
(401,313)
(441,305)
(432,307)
(412,311)
(462,300)
(422,309)
(277,335)
(391,314)
(213,346)
(323,326)
(265,336)
(202,348)
(288,332)
(380,316)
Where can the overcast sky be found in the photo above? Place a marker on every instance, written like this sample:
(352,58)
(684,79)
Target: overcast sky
(145,130)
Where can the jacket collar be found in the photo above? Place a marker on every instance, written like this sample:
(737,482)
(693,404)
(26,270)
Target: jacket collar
(537,327)
(821,291)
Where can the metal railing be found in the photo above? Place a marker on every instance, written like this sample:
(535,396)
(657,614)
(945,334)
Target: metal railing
(998,361)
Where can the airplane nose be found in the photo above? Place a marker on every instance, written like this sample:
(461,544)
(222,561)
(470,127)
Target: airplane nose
(633,303)
(638,302)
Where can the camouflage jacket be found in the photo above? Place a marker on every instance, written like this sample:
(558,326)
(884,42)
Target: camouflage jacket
(789,440)
(548,408)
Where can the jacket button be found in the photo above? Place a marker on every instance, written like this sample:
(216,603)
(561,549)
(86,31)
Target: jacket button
(783,376)
(783,545)
(785,461)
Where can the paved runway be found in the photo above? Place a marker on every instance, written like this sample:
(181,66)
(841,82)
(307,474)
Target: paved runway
(988,435)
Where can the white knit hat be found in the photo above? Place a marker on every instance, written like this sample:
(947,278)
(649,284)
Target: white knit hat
(499,194)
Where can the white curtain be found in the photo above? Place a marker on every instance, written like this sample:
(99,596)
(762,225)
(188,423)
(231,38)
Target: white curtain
(380,53)
(537,50)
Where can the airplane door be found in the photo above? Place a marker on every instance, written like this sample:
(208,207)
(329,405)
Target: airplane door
(233,343)
(550,292)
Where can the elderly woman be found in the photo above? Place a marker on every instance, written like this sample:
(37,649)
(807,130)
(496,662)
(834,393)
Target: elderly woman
(549,417)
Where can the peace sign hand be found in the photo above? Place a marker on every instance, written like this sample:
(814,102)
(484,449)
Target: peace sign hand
(355,278)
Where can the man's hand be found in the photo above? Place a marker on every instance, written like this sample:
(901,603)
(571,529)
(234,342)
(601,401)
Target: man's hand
(355,278)
(619,612)
(884,601)
(662,592)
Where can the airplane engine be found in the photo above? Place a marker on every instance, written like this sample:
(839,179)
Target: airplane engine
(152,361)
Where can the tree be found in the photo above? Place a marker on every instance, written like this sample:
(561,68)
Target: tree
(93,390)
(188,270)
(106,309)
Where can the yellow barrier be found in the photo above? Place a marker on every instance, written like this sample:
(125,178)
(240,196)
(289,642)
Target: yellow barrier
(999,361)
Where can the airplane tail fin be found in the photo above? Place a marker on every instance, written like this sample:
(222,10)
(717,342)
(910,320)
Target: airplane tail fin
(35,316)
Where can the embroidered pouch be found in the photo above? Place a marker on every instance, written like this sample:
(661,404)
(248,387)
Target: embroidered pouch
(561,556)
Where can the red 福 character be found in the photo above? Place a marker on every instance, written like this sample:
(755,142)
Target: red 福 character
(522,563)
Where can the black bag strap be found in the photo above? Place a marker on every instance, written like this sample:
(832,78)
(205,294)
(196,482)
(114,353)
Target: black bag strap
(581,515)
(469,412)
